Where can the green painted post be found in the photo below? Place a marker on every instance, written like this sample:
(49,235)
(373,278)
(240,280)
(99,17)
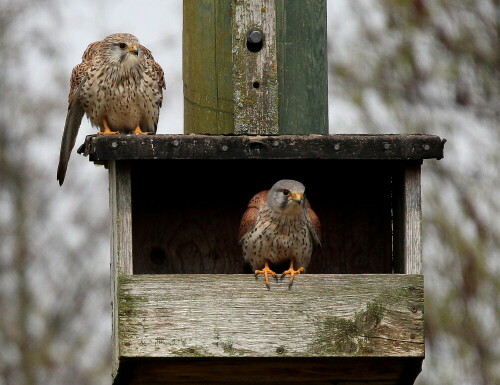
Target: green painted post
(228,89)
(207,67)
(302,66)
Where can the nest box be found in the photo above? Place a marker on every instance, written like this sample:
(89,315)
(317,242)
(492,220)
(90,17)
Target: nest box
(186,309)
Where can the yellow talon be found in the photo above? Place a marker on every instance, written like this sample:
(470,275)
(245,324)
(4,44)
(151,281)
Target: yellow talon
(138,130)
(292,272)
(107,130)
(266,271)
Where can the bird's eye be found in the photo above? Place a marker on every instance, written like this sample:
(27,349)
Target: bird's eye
(122,45)
(286,192)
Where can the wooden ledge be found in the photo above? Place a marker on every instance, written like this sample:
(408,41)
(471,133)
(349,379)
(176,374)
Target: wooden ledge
(392,147)
(323,315)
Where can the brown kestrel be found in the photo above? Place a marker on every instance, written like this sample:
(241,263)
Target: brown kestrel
(119,86)
(279,225)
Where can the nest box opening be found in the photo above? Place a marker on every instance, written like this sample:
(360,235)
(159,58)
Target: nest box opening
(186,213)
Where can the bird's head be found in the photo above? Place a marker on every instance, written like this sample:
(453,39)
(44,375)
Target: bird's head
(287,197)
(123,49)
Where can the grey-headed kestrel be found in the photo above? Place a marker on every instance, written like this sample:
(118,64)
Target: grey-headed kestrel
(119,86)
(279,225)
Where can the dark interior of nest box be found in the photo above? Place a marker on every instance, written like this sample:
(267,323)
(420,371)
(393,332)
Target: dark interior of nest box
(186,213)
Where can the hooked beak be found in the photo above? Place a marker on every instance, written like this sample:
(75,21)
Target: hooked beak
(297,198)
(133,49)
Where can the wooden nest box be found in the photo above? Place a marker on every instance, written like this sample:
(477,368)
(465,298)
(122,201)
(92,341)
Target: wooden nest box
(186,309)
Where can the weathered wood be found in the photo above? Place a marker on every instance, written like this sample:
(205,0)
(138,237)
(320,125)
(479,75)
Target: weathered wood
(408,221)
(120,199)
(197,315)
(221,74)
(255,70)
(390,147)
(208,90)
(302,66)
(186,213)
(272,370)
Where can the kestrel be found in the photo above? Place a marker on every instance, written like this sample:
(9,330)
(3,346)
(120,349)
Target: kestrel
(119,86)
(279,225)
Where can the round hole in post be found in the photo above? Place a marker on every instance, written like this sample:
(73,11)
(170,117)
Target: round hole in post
(256,84)
(157,256)
(255,40)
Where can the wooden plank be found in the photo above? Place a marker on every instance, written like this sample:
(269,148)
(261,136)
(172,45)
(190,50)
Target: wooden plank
(302,66)
(201,315)
(121,237)
(121,216)
(408,221)
(294,371)
(394,147)
(224,65)
(255,74)
(207,66)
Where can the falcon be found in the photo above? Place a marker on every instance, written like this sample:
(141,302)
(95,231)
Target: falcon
(279,226)
(119,86)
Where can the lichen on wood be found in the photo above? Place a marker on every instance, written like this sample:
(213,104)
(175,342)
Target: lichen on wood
(234,316)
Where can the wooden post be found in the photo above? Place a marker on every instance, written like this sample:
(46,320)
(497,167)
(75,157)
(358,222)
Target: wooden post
(121,239)
(206,46)
(255,67)
(302,66)
(231,87)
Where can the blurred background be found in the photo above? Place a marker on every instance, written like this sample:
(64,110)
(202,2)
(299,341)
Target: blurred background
(395,66)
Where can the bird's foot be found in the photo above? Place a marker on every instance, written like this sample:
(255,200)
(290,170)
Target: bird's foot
(292,273)
(138,130)
(266,271)
(107,130)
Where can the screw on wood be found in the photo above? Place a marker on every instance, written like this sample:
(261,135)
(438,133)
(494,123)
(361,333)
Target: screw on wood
(255,40)
(426,147)
(255,36)
(175,143)
(336,146)
(387,146)
(224,148)
(114,145)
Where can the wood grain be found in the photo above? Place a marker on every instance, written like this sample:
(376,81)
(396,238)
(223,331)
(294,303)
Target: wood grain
(408,220)
(120,202)
(198,315)
(255,74)
(207,66)
(302,66)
